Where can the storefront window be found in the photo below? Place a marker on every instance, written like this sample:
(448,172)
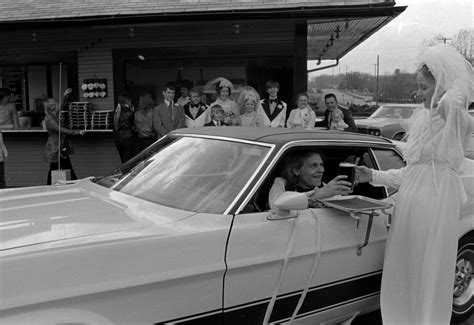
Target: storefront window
(152,75)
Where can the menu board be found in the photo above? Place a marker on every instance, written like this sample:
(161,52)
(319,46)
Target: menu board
(13,81)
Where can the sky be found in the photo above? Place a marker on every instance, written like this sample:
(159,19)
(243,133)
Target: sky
(399,42)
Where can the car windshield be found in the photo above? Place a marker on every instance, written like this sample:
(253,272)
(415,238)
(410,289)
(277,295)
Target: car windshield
(392,111)
(194,174)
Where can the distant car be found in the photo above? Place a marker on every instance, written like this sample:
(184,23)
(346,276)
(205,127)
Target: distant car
(387,121)
(470,149)
(182,234)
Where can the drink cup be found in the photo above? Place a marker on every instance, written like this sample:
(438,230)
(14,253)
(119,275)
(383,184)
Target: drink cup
(348,169)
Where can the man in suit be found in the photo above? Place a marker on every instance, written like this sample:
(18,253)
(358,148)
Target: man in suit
(168,116)
(272,108)
(331,104)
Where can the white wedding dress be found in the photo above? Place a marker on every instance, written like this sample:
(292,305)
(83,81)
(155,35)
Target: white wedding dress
(420,255)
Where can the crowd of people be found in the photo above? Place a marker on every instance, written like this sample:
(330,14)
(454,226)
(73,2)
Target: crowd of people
(136,128)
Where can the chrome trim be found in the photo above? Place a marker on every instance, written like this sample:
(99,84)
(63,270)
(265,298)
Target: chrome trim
(394,148)
(244,188)
(299,143)
(222,138)
(377,164)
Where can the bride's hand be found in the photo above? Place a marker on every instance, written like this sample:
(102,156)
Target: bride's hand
(363,174)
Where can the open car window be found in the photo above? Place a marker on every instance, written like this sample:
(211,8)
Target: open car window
(388,159)
(332,157)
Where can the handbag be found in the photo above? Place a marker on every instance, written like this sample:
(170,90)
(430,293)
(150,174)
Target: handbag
(66,148)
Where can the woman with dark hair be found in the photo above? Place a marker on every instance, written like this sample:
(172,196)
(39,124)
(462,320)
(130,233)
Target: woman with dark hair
(125,138)
(224,89)
(144,121)
(303,173)
(57,145)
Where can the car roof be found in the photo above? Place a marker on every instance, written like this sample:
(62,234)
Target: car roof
(278,136)
(403,105)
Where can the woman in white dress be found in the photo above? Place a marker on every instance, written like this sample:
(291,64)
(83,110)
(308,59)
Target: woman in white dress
(248,104)
(420,256)
(303,116)
(224,89)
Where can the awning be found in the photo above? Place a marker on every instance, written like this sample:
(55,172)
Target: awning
(331,39)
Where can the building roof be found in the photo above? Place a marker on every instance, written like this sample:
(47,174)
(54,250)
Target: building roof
(58,10)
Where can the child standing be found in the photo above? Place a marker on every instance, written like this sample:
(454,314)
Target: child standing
(217,116)
(337,120)
(248,102)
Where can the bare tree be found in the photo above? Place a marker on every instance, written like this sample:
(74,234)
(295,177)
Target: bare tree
(463,42)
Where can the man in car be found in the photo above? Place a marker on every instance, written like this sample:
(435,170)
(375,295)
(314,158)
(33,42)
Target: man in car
(330,101)
(303,173)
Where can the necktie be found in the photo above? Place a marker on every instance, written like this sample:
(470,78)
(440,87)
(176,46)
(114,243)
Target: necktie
(171,110)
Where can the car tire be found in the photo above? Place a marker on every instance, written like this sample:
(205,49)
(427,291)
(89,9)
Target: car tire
(463,291)
(398,136)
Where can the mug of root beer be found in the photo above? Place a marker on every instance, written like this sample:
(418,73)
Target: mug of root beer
(348,169)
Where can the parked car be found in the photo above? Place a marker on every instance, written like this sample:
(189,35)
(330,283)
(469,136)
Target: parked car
(387,121)
(182,233)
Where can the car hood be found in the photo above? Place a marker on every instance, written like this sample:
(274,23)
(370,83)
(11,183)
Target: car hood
(377,122)
(36,215)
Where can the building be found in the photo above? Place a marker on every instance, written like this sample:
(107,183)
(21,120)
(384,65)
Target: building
(129,45)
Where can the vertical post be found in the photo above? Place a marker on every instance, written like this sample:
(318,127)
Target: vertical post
(300,66)
(60,101)
(377,85)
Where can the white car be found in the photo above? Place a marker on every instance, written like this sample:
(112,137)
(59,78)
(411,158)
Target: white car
(387,121)
(182,234)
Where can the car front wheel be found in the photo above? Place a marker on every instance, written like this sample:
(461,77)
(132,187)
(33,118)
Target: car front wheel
(463,294)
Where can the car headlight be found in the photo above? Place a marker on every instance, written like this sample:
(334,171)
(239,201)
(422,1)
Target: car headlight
(374,132)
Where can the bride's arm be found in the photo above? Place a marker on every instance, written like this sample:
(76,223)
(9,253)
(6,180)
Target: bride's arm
(391,177)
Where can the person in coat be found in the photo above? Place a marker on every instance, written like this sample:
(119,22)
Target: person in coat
(168,116)
(331,104)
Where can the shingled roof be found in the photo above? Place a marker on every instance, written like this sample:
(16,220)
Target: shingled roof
(16,11)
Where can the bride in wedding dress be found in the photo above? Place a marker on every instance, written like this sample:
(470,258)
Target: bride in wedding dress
(420,255)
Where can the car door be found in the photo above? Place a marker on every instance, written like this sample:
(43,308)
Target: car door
(343,283)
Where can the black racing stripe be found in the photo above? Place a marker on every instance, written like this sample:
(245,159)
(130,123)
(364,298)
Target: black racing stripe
(317,299)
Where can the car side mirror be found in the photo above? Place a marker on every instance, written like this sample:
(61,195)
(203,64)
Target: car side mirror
(287,202)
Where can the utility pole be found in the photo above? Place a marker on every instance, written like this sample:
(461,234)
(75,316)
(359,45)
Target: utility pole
(377,84)
(444,39)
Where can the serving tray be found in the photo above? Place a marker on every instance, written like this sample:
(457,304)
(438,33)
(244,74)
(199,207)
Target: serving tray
(357,205)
